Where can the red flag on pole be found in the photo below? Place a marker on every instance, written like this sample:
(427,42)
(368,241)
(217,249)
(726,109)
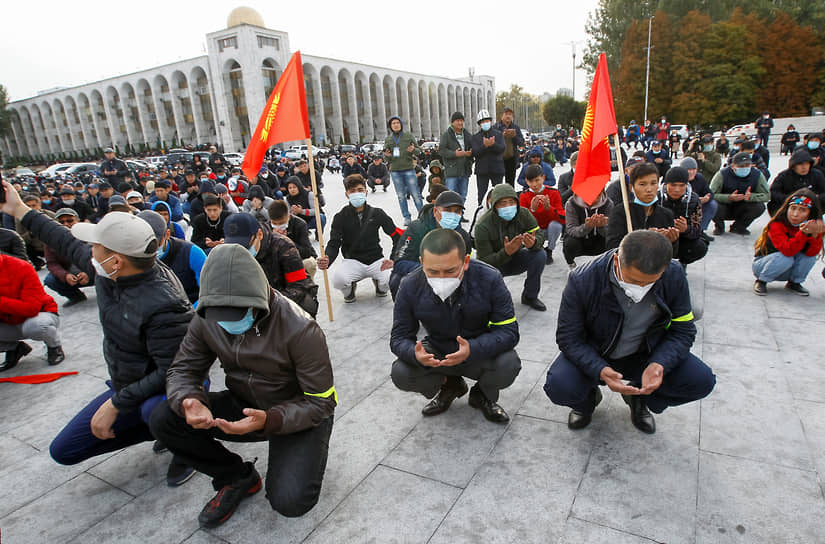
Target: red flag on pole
(593,165)
(284,118)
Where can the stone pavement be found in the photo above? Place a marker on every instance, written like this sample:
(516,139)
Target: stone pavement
(745,465)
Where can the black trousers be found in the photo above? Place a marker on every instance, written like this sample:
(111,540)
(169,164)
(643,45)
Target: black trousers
(510,166)
(743,213)
(691,251)
(296,461)
(576,247)
(483,181)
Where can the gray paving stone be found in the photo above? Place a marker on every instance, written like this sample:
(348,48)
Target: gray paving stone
(750,413)
(69,510)
(451,446)
(202,537)
(643,484)
(578,531)
(388,506)
(748,501)
(134,470)
(801,361)
(736,317)
(812,415)
(524,490)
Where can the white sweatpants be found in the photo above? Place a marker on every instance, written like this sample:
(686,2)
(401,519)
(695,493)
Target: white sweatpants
(347,271)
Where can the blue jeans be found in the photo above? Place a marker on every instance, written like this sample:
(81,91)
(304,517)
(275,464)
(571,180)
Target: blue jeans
(459,185)
(531,261)
(708,212)
(406,185)
(554,229)
(779,267)
(60,287)
(399,271)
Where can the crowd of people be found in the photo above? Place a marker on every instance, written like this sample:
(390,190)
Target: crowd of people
(197,262)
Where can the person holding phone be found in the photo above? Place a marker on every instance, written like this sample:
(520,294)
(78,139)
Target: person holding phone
(399,149)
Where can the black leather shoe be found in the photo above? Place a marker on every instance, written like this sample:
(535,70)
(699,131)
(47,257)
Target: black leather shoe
(55,355)
(707,237)
(579,420)
(534,303)
(13,357)
(453,388)
(491,410)
(351,296)
(639,414)
(797,288)
(760,288)
(718,231)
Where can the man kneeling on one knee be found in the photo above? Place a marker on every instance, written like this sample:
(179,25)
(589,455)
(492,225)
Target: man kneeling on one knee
(625,321)
(467,311)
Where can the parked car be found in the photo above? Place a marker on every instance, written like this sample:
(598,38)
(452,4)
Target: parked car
(346,148)
(235,159)
(82,168)
(23,172)
(681,130)
(173,157)
(135,164)
(55,169)
(156,161)
(293,154)
(429,146)
(736,130)
(372,148)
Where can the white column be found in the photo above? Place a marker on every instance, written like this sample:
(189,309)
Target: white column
(354,130)
(320,115)
(369,129)
(337,120)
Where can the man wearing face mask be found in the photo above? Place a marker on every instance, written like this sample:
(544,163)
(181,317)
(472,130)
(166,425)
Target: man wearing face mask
(296,230)
(626,321)
(69,199)
(488,149)
(659,156)
(741,191)
(513,140)
(508,237)
(278,257)
(763,127)
(134,293)
(279,389)
(708,161)
(445,214)
(468,314)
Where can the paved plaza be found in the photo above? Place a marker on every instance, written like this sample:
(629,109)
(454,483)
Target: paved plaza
(746,465)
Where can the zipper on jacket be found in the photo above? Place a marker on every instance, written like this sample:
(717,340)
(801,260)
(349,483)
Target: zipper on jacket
(249,372)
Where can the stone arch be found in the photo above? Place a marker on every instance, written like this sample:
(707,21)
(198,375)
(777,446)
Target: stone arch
(182,108)
(363,107)
(271,71)
(117,119)
(349,115)
(147,107)
(377,102)
(401,103)
(390,100)
(164,110)
(414,120)
(202,105)
(331,99)
(236,99)
(315,106)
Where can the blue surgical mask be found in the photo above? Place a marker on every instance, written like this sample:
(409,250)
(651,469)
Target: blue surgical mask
(507,213)
(252,250)
(357,199)
(742,172)
(655,151)
(486,125)
(813,145)
(449,220)
(240,326)
(708,147)
(47,201)
(736,148)
(645,204)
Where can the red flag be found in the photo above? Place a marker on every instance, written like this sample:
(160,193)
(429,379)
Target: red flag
(37,378)
(593,165)
(284,118)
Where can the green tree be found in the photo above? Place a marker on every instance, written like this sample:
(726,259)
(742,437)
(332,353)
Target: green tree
(687,105)
(565,110)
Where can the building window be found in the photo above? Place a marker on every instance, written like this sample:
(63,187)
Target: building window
(226,43)
(265,41)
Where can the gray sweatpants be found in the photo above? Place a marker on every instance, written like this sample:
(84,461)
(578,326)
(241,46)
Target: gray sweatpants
(43,327)
(491,375)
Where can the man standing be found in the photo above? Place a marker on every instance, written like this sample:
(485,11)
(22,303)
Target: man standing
(763,127)
(400,147)
(456,152)
(625,320)
(513,140)
(113,170)
(279,389)
(468,313)
(488,149)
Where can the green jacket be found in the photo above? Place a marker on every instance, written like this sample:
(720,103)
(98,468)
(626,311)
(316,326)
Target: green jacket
(762,193)
(455,167)
(405,161)
(710,165)
(491,229)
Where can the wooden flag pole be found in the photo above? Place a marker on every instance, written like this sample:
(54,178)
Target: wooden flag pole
(318,227)
(621,181)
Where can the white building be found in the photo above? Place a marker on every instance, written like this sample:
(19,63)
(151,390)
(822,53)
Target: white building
(219,98)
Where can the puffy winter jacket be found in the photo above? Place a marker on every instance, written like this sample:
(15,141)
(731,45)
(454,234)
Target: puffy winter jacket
(21,293)
(492,229)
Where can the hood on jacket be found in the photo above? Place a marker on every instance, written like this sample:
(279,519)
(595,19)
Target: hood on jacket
(159,203)
(537,151)
(436,164)
(297,182)
(255,191)
(389,122)
(500,191)
(800,156)
(219,280)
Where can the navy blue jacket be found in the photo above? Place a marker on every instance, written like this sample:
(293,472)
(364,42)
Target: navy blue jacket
(590,318)
(489,160)
(480,311)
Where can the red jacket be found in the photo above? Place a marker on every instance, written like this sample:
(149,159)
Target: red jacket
(544,215)
(21,294)
(790,240)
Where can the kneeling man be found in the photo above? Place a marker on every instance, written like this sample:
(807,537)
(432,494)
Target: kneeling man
(280,389)
(468,314)
(625,321)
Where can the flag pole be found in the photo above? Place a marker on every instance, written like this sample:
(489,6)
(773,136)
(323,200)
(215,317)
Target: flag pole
(622,182)
(318,227)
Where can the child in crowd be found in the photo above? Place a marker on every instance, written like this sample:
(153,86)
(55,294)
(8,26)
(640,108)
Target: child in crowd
(646,213)
(545,205)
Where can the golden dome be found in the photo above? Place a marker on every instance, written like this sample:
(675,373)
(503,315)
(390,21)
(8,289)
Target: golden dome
(244,16)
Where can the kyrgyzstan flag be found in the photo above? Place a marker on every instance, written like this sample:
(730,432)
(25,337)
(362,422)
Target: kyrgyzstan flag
(284,118)
(593,165)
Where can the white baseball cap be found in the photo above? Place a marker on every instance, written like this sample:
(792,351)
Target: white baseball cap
(120,232)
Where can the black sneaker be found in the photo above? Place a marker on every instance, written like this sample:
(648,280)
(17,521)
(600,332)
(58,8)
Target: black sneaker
(223,505)
(719,230)
(77,299)
(55,355)
(13,357)
(760,288)
(549,255)
(351,296)
(707,237)
(178,472)
(378,291)
(159,447)
(797,288)
(739,230)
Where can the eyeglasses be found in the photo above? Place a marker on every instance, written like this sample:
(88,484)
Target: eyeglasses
(67,222)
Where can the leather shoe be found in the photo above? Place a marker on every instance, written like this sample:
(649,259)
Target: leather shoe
(453,388)
(534,303)
(13,357)
(579,420)
(491,410)
(639,414)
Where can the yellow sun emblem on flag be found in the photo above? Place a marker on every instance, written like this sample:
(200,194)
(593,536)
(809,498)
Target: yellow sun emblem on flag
(273,110)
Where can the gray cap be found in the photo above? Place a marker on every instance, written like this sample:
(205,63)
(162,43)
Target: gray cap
(449,198)
(120,232)
(220,288)
(742,158)
(117,200)
(108,150)
(689,163)
(66,211)
(156,221)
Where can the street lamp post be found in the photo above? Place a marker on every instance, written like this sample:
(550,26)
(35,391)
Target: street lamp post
(647,74)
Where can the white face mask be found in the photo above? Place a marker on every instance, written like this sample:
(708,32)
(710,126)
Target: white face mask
(279,228)
(444,287)
(634,292)
(100,271)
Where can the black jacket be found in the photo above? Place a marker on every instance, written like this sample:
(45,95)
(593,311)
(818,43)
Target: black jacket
(284,269)
(144,317)
(117,165)
(489,160)
(298,232)
(661,218)
(12,244)
(358,238)
(565,186)
(789,181)
(480,311)
(202,229)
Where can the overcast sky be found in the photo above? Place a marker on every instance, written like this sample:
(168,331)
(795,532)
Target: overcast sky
(59,44)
